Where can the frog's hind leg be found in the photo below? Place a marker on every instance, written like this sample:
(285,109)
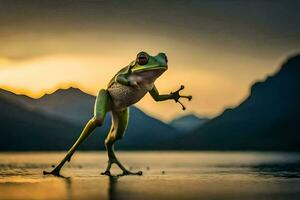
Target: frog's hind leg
(100,110)
(119,125)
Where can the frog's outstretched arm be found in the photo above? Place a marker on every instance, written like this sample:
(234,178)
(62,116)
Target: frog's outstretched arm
(173,95)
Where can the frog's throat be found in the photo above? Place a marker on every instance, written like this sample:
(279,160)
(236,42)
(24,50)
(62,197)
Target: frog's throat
(147,76)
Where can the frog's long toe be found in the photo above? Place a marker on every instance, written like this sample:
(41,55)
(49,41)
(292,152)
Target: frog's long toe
(189,97)
(106,173)
(183,107)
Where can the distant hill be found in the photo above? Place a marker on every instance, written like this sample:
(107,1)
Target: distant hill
(187,123)
(71,104)
(267,120)
(23,129)
(55,120)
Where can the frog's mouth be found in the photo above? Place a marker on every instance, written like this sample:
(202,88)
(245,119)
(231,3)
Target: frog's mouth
(149,68)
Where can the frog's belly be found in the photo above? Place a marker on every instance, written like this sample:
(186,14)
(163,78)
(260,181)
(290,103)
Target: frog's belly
(124,96)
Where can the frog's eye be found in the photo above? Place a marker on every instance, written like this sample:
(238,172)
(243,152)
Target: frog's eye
(164,56)
(142,58)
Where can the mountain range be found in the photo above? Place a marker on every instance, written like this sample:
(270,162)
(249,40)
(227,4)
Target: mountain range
(268,119)
(55,120)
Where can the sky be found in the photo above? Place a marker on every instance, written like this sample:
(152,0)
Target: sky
(217,49)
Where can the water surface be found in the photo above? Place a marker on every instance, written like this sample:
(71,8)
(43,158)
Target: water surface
(167,175)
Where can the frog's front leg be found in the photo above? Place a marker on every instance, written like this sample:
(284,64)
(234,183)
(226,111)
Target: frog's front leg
(173,95)
(119,125)
(125,80)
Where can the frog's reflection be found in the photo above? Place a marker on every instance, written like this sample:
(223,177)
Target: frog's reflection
(68,184)
(111,193)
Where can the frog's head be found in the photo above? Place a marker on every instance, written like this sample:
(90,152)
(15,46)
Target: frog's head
(148,66)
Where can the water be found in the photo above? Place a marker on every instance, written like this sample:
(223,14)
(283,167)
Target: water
(167,175)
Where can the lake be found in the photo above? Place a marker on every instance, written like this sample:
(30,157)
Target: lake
(167,175)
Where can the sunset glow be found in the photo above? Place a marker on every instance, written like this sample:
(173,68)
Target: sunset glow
(212,91)
(84,45)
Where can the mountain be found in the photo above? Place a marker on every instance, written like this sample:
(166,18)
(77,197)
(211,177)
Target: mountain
(23,129)
(267,120)
(187,123)
(71,104)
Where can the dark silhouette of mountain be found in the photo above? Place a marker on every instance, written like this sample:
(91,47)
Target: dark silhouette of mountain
(187,123)
(54,121)
(71,104)
(267,120)
(23,129)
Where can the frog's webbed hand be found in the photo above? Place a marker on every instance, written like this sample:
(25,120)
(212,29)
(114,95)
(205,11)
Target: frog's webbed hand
(173,95)
(177,96)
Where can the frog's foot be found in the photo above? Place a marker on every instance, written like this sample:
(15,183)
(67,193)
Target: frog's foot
(177,96)
(128,173)
(106,173)
(125,171)
(54,172)
(109,164)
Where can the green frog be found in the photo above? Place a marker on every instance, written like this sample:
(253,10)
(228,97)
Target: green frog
(126,88)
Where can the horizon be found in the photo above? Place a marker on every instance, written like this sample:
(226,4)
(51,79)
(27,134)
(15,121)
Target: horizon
(76,88)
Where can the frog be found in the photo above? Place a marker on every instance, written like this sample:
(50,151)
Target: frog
(126,88)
